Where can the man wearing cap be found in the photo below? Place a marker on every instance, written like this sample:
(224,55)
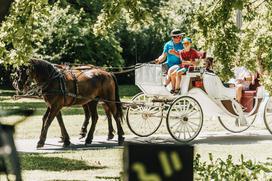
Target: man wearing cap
(172,61)
(187,56)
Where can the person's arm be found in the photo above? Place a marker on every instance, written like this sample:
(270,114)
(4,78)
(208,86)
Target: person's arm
(250,78)
(201,54)
(186,62)
(161,58)
(174,52)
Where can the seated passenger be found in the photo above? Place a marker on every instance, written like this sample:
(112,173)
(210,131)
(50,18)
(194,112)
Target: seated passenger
(187,56)
(208,63)
(243,80)
(172,61)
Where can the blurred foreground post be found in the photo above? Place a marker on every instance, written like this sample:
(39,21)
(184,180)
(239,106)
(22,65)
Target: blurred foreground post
(158,162)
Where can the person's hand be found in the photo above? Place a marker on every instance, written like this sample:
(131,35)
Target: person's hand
(157,61)
(186,63)
(172,51)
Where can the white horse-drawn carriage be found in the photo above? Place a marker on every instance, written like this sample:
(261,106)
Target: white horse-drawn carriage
(202,95)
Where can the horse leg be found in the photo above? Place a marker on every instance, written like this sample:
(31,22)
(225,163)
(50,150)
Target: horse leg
(65,136)
(45,117)
(93,110)
(51,115)
(110,127)
(117,119)
(84,126)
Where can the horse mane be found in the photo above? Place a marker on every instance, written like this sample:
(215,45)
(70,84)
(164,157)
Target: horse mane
(43,67)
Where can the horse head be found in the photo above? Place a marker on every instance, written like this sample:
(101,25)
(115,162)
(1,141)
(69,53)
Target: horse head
(21,78)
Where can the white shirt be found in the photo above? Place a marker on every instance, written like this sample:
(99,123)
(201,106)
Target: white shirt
(240,73)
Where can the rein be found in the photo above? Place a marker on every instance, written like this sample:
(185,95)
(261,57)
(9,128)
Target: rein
(123,69)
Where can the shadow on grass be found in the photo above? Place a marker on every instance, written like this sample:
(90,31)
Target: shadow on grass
(7,93)
(39,162)
(40,108)
(108,178)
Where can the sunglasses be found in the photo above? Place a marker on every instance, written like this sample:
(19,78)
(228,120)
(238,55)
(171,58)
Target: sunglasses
(186,43)
(176,36)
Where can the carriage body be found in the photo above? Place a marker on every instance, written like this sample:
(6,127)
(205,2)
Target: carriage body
(202,93)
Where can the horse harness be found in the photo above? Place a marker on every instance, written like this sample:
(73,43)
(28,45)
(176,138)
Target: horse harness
(64,90)
(61,78)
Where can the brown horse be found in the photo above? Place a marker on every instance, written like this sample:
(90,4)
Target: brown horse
(89,108)
(76,87)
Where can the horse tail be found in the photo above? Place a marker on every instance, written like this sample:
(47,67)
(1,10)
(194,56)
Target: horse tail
(118,103)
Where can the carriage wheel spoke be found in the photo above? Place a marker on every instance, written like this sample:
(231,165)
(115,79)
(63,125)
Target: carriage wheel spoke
(177,113)
(154,110)
(195,124)
(189,125)
(179,108)
(188,107)
(192,111)
(184,132)
(172,126)
(188,131)
(179,132)
(178,127)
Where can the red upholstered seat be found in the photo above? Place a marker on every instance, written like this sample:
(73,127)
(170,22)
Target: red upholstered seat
(248,99)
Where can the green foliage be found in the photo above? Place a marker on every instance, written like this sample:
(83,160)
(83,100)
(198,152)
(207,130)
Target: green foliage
(228,170)
(76,31)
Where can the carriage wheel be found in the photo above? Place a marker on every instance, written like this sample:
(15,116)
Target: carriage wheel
(232,124)
(268,115)
(184,119)
(144,117)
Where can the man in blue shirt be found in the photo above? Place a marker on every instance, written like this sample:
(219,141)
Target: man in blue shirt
(172,61)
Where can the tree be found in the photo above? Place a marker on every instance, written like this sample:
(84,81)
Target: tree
(69,31)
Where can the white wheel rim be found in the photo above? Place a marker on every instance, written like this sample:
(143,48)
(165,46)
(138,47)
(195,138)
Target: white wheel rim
(185,119)
(145,116)
(268,115)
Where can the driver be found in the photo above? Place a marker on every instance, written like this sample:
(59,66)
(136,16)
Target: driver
(172,61)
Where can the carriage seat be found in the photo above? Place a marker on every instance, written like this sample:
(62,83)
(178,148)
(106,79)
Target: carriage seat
(215,88)
(247,99)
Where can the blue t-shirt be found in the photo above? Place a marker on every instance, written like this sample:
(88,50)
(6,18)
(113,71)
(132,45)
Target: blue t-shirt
(172,59)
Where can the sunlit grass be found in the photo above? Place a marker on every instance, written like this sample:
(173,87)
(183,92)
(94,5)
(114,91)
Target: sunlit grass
(53,163)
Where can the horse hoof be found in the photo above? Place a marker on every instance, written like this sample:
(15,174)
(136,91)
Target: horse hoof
(88,142)
(66,143)
(121,140)
(82,134)
(110,137)
(40,144)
